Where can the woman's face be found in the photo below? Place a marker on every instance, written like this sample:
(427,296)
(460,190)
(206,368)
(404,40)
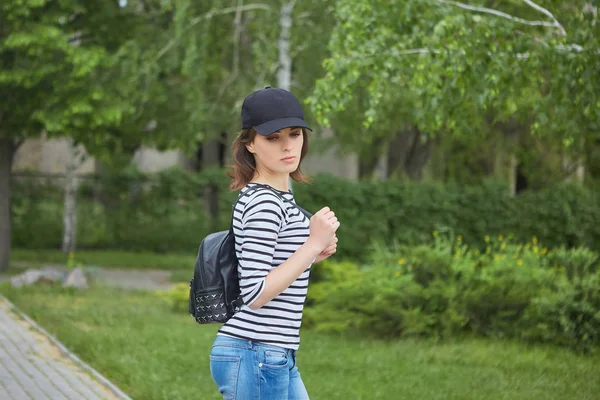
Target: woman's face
(279,152)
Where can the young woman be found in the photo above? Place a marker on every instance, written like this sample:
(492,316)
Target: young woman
(254,353)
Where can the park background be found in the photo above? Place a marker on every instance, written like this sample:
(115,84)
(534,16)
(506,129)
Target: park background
(457,142)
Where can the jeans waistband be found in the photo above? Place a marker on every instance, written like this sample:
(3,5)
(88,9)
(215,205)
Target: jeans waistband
(249,344)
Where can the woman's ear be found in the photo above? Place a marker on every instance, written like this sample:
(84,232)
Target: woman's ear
(250,148)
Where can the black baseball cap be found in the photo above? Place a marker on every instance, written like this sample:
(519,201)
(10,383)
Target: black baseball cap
(271,109)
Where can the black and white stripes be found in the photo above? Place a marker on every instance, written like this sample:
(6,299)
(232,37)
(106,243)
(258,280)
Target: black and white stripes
(268,230)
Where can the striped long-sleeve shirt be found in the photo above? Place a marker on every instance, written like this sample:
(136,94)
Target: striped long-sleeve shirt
(268,229)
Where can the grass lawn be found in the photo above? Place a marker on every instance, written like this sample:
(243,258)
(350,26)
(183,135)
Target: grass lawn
(135,340)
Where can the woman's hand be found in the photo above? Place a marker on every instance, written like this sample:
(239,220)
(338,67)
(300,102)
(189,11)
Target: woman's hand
(323,225)
(328,251)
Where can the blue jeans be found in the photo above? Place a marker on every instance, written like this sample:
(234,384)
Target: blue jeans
(248,370)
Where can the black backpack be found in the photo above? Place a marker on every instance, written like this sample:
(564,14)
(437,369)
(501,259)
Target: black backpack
(214,289)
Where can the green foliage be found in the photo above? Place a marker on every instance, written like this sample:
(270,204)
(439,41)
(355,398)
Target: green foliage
(326,273)
(449,68)
(56,63)
(407,213)
(508,290)
(166,212)
(567,313)
(177,297)
(162,212)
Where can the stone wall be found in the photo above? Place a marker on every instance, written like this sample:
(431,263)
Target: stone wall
(48,156)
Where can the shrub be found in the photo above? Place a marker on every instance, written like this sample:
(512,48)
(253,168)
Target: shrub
(177,297)
(162,212)
(167,211)
(568,311)
(448,288)
(407,212)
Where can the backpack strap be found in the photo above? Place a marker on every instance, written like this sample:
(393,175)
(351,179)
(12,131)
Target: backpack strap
(302,210)
(233,208)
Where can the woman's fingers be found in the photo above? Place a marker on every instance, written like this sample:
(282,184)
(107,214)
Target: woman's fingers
(329,250)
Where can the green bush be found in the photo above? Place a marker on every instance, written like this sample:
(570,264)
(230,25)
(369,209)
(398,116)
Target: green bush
(567,312)
(407,212)
(448,288)
(167,211)
(177,297)
(162,212)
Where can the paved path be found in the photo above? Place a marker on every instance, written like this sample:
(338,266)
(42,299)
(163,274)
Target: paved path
(126,278)
(35,366)
(150,279)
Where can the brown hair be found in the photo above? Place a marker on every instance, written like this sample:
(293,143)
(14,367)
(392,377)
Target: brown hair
(244,166)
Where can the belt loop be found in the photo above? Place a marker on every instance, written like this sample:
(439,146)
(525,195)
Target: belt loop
(250,344)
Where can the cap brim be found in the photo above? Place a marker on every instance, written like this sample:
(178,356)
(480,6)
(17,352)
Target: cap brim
(269,127)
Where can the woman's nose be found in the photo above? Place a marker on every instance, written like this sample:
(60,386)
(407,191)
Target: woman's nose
(287,144)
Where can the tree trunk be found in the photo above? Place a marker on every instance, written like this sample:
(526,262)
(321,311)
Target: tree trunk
(70,200)
(211,158)
(366,167)
(573,169)
(580,173)
(408,153)
(284,74)
(512,175)
(369,159)
(7,152)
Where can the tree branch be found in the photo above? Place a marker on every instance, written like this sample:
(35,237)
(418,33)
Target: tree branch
(417,51)
(549,14)
(78,37)
(209,15)
(497,13)
(237,23)
(260,79)
(17,143)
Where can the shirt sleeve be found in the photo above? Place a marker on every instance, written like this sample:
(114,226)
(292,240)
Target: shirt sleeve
(262,220)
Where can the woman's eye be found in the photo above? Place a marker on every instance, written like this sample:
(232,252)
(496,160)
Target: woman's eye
(271,139)
(296,134)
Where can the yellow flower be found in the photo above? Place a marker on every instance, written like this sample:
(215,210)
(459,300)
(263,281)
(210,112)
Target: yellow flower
(520,262)
(515,256)
(459,238)
(500,237)
(401,261)
(535,249)
(486,238)
(397,274)
(435,233)
(544,250)
(535,239)
(503,246)
(476,252)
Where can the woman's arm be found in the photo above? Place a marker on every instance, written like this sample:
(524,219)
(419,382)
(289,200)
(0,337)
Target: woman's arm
(281,277)
(323,225)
